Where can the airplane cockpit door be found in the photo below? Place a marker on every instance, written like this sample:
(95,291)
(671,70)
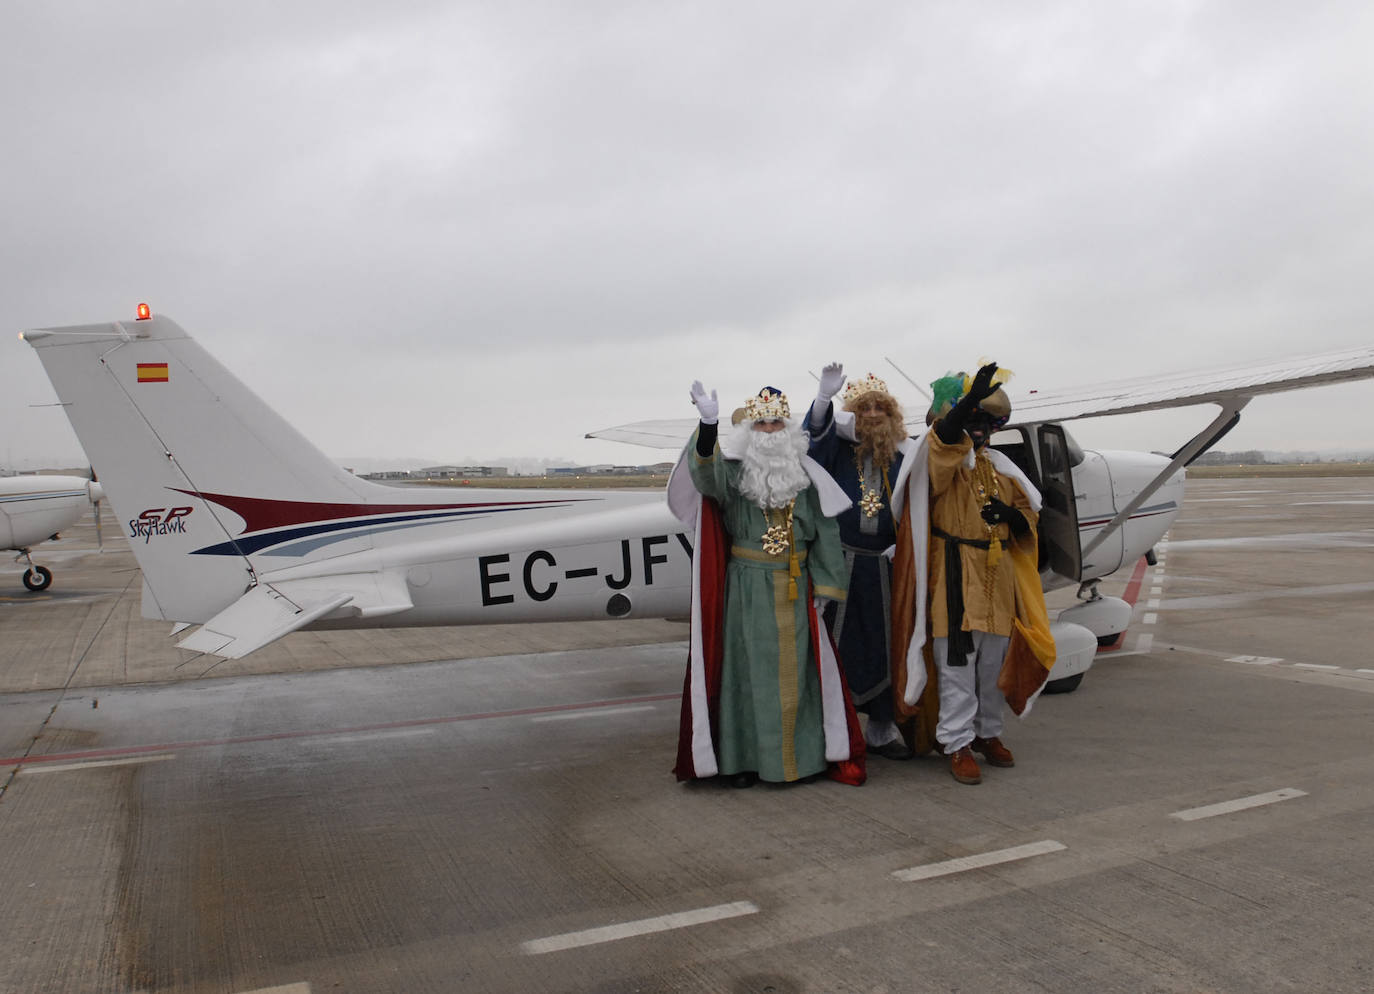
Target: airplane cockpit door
(1059,513)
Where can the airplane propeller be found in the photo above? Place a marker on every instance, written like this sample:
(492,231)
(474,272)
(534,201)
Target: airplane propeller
(97,496)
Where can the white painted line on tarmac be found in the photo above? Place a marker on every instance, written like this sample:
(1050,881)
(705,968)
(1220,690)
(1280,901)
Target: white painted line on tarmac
(1315,666)
(977,862)
(1149,619)
(1255,660)
(1144,643)
(28,768)
(1370,672)
(1156,590)
(591,713)
(1153,603)
(301,988)
(645,926)
(1239,804)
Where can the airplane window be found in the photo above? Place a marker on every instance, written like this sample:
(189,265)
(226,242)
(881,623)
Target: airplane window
(1013,443)
(1052,453)
(1075,452)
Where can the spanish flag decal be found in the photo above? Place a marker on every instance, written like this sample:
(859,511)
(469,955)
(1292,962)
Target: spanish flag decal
(152,372)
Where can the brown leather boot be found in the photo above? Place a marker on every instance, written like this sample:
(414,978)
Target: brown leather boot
(994,753)
(964,767)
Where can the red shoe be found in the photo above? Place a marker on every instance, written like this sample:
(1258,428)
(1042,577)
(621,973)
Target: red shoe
(994,752)
(964,767)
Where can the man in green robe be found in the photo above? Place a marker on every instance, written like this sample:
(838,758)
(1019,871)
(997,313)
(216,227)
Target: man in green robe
(777,704)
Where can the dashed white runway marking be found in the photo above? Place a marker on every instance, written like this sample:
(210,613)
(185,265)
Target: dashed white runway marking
(301,988)
(1149,619)
(1152,603)
(1365,671)
(1155,591)
(1255,660)
(977,862)
(1239,804)
(1144,643)
(1316,666)
(591,713)
(645,926)
(29,768)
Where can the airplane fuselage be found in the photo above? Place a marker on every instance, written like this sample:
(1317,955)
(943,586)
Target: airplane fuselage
(34,508)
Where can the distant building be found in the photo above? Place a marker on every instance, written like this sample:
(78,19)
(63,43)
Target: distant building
(439,473)
(457,472)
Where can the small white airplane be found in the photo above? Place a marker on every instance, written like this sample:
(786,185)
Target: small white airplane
(35,509)
(242,526)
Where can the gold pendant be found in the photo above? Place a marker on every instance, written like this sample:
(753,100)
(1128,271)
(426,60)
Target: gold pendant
(870,503)
(775,540)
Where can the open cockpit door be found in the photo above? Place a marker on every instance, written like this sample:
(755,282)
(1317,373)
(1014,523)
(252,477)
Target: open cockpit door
(1059,515)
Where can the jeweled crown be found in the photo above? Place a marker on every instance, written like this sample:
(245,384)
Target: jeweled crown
(767,405)
(857,388)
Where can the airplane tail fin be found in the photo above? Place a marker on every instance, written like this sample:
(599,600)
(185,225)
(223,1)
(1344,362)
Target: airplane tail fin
(186,456)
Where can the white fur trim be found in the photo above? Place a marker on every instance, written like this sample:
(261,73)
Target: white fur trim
(1003,464)
(833,498)
(834,721)
(684,500)
(914,481)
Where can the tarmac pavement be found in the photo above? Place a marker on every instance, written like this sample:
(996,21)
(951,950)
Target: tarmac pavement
(491,809)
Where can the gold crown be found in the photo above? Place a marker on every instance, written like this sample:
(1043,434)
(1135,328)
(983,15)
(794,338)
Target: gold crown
(857,388)
(767,405)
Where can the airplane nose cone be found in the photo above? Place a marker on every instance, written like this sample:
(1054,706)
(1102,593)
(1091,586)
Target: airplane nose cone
(96,491)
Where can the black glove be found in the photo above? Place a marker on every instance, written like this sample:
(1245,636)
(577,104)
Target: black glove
(982,387)
(706,439)
(995,513)
(951,426)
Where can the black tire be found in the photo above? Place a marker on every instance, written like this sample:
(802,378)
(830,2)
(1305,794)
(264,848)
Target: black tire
(1065,685)
(38,578)
(1105,640)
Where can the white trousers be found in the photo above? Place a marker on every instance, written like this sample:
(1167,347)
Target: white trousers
(970,703)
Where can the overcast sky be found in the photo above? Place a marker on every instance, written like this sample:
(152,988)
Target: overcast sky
(471,232)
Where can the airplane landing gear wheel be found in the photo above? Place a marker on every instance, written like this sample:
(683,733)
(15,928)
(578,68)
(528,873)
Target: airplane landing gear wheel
(37,578)
(1064,685)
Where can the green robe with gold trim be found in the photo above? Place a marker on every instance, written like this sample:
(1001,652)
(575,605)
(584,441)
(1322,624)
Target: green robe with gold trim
(770,699)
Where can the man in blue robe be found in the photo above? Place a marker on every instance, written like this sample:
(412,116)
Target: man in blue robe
(863,447)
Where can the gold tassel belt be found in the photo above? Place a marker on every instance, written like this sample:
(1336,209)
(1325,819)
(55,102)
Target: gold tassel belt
(756,557)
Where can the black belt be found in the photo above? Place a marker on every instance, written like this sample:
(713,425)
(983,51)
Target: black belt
(960,641)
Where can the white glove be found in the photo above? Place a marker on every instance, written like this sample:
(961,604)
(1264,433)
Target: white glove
(832,378)
(708,408)
(890,553)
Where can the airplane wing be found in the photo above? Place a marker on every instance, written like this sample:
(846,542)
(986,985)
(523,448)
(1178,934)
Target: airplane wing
(1223,386)
(1217,386)
(671,433)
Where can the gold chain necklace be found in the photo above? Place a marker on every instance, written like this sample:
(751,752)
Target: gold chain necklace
(870,502)
(985,480)
(985,484)
(779,534)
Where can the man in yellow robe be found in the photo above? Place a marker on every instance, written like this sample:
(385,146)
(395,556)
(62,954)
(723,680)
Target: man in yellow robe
(970,527)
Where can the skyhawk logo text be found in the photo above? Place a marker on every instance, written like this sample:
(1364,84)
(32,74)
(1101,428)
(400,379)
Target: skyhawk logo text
(159,521)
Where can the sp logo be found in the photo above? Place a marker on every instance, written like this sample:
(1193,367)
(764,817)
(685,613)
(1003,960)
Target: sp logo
(159,521)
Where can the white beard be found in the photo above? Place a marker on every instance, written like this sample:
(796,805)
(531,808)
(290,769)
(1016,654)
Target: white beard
(771,473)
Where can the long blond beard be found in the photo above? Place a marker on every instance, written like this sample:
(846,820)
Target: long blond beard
(879,438)
(771,471)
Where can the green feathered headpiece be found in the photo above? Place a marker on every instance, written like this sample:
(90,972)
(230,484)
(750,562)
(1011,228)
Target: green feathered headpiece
(946,391)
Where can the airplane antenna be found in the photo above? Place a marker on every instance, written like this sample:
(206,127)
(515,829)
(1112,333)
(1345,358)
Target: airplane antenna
(919,389)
